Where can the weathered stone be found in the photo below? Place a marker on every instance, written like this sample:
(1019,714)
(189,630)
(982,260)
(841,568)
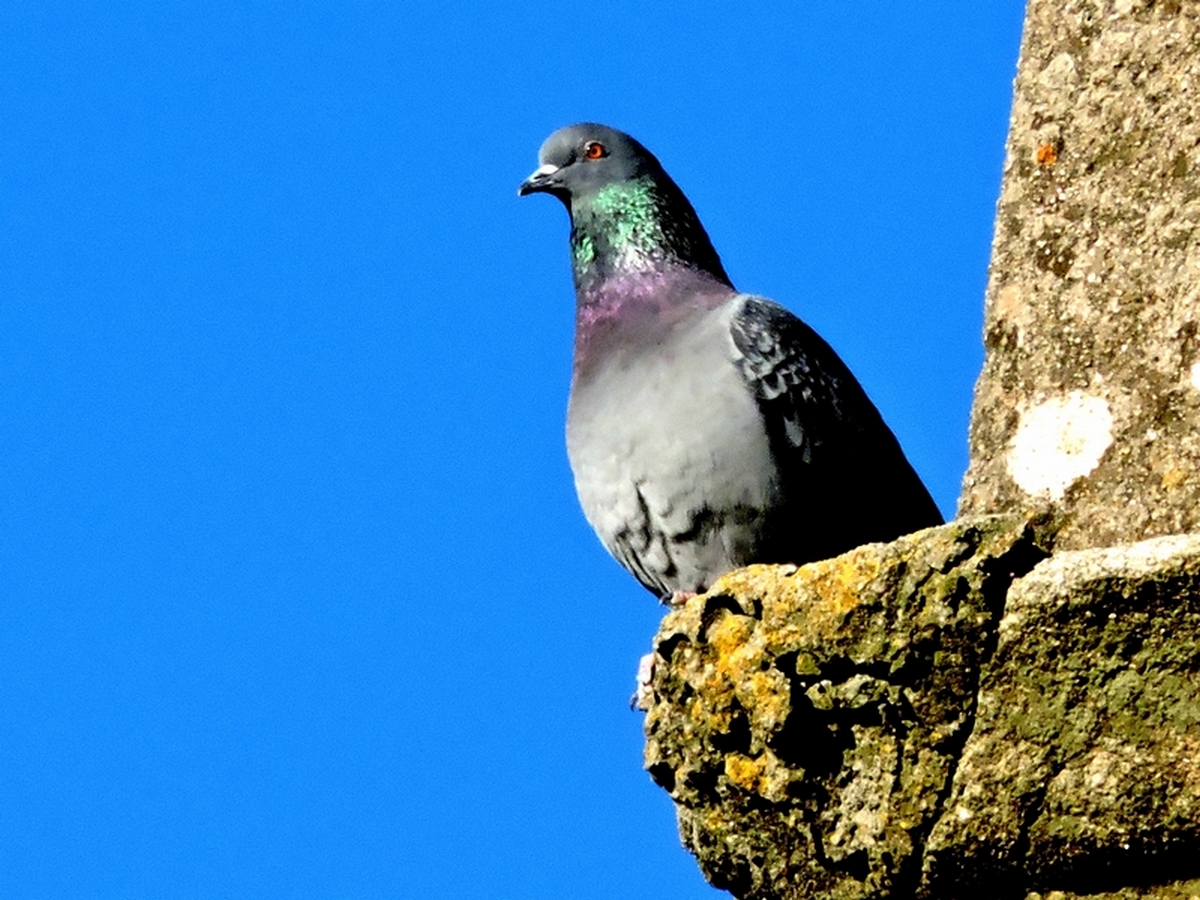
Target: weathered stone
(901,722)
(1182,890)
(1088,407)
(807,721)
(1083,769)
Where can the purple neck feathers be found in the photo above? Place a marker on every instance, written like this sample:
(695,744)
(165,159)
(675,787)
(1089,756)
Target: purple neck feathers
(640,307)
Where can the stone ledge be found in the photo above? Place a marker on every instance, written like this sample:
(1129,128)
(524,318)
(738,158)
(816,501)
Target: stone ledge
(938,716)
(1085,759)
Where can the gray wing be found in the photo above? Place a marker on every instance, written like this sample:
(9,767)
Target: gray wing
(841,464)
(805,392)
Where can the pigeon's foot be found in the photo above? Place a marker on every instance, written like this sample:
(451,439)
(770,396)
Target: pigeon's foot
(645,674)
(678,598)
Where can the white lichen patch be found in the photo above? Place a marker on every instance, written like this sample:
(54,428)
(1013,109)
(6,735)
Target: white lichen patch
(1196,375)
(1059,441)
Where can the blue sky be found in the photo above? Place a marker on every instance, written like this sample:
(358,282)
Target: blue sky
(295,598)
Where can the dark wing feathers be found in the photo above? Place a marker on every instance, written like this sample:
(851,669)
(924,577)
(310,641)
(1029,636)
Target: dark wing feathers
(832,445)
(806,393)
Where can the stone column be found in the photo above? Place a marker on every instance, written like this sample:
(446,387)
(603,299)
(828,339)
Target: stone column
(1088,407)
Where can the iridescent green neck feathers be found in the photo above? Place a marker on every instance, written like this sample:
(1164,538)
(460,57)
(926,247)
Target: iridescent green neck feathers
(637,226)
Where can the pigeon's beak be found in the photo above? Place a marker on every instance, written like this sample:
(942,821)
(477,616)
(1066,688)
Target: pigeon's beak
(540,181)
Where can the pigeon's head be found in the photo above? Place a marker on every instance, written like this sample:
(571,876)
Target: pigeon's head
(580,160)
(627,215)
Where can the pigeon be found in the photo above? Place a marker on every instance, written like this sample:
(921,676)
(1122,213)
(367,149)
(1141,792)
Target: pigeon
(707,429)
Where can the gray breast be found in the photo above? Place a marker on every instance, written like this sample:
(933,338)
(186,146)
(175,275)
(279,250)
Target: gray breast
(671,460)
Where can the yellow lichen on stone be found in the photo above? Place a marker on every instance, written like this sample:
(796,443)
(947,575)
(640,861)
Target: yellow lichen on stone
(1174,477)
(745,772)
(762,775)
(826,591)
(758,581)
(718,680)
(739,666)
(715,821)
(841,581)
(728,638)
(769,701)
(711,718)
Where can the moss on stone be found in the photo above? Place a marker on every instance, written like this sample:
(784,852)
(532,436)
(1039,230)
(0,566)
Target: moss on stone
(807,720)
(939,716)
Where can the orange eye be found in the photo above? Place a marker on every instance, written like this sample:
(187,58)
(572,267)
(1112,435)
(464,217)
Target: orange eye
(594,150)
